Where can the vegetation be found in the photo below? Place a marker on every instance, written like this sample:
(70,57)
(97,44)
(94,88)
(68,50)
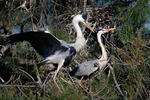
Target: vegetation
(129,79)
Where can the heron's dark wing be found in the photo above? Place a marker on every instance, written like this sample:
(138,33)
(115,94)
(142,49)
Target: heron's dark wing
(45,44)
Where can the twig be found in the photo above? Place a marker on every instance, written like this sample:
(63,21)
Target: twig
(114,77)
(11,78)
(23,5)
(60,5)
(27,74)
(91,94)
(71,78)
(121,64)
(44,83)
(65,81)
(76,62)
(84,7)
(2,79)
(38,76)
(3,50)
(16,79)
(23,93)
(24,86)
(146,46)
(91,32)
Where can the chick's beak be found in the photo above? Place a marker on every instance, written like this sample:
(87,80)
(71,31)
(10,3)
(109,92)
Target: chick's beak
(89,27)
(110,29)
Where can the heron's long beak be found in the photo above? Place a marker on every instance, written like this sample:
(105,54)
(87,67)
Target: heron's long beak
(110,29)
(89,27)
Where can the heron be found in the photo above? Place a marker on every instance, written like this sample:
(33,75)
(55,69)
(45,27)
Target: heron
(89,67)
(52,49)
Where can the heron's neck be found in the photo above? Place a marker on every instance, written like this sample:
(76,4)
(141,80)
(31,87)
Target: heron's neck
(104,53)
(80,40)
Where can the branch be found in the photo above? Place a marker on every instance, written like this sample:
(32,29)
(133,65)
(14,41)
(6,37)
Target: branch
(10,79)
(23,86)
(3,50)
(38,76)
(84,6)
(47,78)
(23,5)
(23,93)
(2,79)
(27,74)
(114,77)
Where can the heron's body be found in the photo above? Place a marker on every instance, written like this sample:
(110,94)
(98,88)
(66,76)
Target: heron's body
(47,45)
(67,54)
(53,50)
(86,68)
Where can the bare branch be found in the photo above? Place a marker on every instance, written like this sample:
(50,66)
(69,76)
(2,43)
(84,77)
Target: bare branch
(114,77)
(38,76)
(27,74)
(23,93)
(23,5)
(84,7)
(23,86)
(44,83)
(2,79)
(11,78)
(3,50)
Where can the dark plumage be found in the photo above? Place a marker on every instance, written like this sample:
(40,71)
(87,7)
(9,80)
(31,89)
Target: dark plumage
(44,43)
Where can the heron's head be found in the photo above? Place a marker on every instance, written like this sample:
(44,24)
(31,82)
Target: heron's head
(102,31)
(83,19)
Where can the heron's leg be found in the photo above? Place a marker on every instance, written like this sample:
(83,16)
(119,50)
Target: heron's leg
(65,81)
(60,64)
(80,84)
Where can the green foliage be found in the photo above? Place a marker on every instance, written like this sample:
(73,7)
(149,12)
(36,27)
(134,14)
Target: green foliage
(133,18)
(131,63)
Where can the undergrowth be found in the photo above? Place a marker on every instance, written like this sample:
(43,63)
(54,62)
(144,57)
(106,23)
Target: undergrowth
(131,64)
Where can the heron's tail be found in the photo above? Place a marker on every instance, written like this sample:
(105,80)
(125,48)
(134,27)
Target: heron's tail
(73,72)
(42,62)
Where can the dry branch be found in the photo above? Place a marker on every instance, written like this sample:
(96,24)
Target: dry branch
(84,7)
(114,77)
(2,79)
(27,74)
(3,50)
(23,86)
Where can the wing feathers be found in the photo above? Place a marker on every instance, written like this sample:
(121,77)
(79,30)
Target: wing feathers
(44,43)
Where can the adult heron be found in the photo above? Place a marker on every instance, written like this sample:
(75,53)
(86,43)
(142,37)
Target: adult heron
(89,67)
(52,49)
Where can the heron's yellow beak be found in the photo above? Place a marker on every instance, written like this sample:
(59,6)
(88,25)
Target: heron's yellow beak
(110,29)
(89,27)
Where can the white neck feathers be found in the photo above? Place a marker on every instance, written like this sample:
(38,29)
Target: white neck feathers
(104,53)
(80,40)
